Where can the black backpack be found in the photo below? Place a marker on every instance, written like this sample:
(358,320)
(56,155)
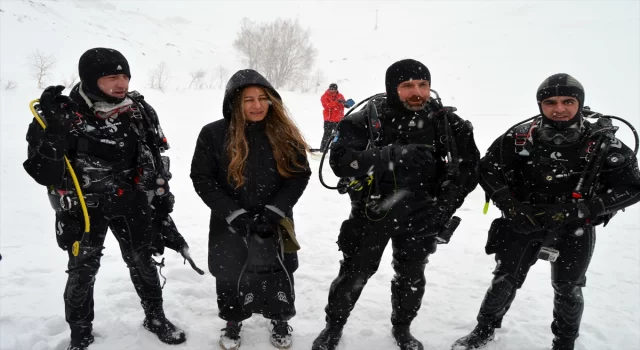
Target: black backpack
(265,286)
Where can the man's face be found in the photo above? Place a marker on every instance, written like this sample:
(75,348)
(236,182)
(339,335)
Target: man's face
(560,108)
(255,103)
(114,85)
(333,91)
(414,94)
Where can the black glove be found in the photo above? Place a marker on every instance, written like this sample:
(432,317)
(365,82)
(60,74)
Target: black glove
(341,101)
(58,110)
(267,223)
(68,229)
(447,230)
(411,155)
(170,236)
(450,195)
(243,224)
(164,204)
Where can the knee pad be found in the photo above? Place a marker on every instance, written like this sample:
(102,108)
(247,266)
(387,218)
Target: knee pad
(568,306)
(411,271)
(568,289)
(503,284)
(79,287)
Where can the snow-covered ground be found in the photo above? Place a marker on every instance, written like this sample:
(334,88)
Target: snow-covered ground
(485,59)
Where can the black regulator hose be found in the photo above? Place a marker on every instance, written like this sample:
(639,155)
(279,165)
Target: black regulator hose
(328,145)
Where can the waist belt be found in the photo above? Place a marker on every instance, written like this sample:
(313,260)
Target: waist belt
(263,269)
(97,180)
(417,195)
(545,198)
(71,202)
(412,191)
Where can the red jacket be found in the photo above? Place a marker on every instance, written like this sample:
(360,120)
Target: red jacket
(333,110)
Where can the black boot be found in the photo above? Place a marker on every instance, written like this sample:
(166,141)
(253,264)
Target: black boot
(562,344)
(328,339)
(281,334)
(477,339)
(156,322)
(82,343)
(230,337)
(404,339)
(81,337)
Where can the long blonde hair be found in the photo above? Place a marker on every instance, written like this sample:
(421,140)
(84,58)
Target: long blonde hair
(284,137)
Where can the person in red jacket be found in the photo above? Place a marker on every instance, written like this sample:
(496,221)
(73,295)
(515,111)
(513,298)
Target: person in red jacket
(333,104)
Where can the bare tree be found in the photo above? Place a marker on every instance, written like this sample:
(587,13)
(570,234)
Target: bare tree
(318,78)
(212,79)
(197,77)
(70,80)
(302,82)
(281,49)
(152,79)
(40,65)
(248,43)
(11,84)
(223,75)
(159,76)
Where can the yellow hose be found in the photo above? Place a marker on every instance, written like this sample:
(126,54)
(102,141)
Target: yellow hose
(76,245)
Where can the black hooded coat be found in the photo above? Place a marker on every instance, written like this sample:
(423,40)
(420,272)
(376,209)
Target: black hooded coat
(263,185)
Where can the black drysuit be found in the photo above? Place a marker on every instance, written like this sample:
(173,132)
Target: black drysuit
(412,200)
(263,186)
(105,155)
(541,175)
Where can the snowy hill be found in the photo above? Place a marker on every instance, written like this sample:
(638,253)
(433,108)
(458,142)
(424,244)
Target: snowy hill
(486,59)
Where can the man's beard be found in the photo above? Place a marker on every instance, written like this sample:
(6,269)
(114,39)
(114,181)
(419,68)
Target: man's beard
(414,108)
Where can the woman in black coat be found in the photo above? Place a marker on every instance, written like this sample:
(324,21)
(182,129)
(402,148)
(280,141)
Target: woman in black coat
(250,168)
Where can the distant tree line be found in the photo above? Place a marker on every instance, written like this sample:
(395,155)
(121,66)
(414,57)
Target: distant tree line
(281,50)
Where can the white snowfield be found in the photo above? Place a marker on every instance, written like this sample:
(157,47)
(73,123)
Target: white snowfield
(485,59)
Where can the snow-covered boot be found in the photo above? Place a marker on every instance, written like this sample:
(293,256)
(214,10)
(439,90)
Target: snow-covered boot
(80,344)
(404,338)
(230,337)
(156,322)
(281,334)
(477,339)
(562,344)
(328,339)
(81,337)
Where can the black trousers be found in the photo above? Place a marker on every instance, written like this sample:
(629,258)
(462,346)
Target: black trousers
(362,243)
(328,130)
(129,218)
(518,253)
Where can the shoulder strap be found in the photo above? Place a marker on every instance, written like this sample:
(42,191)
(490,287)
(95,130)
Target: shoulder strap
(368,117)
(604,134)
(151,117)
